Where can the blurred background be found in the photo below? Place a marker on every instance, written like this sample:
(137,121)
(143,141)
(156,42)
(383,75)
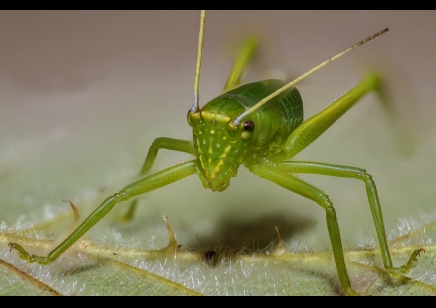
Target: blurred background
(83,94)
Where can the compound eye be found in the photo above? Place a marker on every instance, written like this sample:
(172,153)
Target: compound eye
(248,128)
(189,118)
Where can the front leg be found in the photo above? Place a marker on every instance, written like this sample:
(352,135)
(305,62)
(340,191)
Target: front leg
(149,183)
(158,143)
(165,143)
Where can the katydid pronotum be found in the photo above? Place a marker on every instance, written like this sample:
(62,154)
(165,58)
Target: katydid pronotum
(261,126)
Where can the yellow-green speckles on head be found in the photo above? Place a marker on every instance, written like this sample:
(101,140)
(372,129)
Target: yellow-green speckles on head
(218,166)
(226,150)
(216,146)
(201,161)
(210,116)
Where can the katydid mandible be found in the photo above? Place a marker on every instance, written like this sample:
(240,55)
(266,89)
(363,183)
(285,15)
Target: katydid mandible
(261,126)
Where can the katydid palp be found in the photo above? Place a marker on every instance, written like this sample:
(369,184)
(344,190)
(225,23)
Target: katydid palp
(261,126)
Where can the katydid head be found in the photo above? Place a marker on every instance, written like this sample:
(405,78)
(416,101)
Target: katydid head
(219,146)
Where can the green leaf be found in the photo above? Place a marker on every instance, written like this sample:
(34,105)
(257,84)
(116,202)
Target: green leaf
(99,270)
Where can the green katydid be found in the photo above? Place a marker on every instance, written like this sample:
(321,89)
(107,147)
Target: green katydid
(261,126)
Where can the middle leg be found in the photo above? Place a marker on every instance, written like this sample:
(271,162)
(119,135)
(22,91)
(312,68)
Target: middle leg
(300,187)
(374,203)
